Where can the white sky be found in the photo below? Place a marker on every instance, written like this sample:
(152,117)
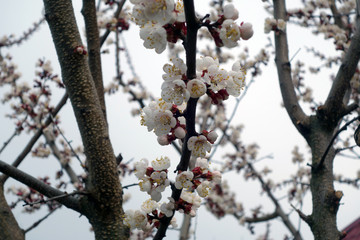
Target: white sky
(265,123)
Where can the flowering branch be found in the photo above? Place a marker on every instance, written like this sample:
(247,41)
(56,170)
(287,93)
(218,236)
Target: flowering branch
(190,112)
(36,136)
(341,84)
(10,42)
(116,15)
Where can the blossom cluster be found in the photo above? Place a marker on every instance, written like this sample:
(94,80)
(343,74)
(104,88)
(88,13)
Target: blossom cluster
(153,180)
(225,31)
(222,201)
(146,218)
(26,102)
(276,25)
(200,178)
(163,21)
(164,116)
(121,23)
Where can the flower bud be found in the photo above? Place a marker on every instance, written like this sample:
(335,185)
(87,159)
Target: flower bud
(246,31)
(180,132)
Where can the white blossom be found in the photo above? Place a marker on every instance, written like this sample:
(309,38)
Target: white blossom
(149,206)
(203,189)
(135,219)
(203,63)
(196,88)
(179,132)
(192,198)
(163,140)
(199,145)
(161,163)
(230,33)
(202,163)
(183,180)
(157,116)
(159,10)
(154,36)
(216,177)
(216,77)
(167,208)
(140,168)
(174,71)
(175,92)
(212,136)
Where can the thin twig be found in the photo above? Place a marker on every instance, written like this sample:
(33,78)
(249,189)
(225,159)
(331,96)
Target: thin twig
(238,100)
(302,215)
(35,224)
(116,15)
(25,35)
(55,198)
(68,143)
(320,165)
(130,185)
(16,132)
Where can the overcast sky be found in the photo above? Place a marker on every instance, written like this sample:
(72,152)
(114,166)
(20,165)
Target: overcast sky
(265,121)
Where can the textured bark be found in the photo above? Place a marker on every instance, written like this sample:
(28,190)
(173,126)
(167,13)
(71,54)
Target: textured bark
(9,227)
(93,45)
(324,200)
(103,205)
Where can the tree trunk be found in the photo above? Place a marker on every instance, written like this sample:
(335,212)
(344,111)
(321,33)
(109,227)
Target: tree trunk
(325,199)
(103,203)
(9,227)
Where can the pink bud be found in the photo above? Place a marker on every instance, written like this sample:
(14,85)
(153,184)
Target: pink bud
(163,140)
(246,31)
(180,132)
(212,136)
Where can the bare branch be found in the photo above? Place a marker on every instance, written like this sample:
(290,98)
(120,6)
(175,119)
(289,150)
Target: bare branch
(93,44)
(297,115)
(320,165)
(336,14)
(39,186)
(279,211)
(263,218)
(55,198)
(304,217)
